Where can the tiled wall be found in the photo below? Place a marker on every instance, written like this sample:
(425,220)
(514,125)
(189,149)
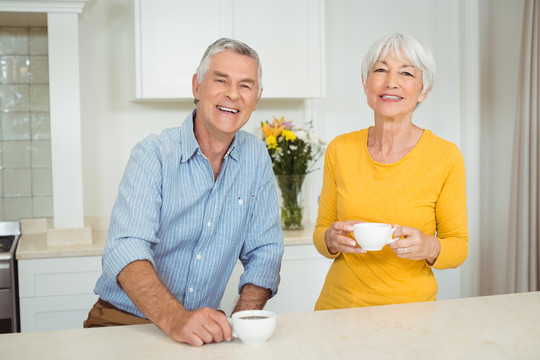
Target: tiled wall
(25,146)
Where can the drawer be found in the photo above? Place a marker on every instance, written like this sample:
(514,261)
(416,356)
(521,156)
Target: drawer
(58,276)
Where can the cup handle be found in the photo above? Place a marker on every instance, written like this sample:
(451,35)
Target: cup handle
(392,234)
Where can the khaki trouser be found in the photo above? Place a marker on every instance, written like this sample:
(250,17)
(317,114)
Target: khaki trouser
(106,314)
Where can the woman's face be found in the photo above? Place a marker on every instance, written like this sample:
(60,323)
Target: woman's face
(394,88)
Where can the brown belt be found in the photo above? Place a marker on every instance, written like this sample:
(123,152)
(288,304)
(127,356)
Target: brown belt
(106,314)
(108,305)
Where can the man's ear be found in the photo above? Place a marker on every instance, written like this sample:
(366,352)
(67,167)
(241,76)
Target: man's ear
(257,102)
(195,86)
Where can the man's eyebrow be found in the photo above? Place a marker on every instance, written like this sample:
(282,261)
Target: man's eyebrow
(221,74)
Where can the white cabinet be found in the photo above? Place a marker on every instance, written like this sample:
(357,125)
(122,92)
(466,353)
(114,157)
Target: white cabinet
(57,293)
(171,37)
(303,271)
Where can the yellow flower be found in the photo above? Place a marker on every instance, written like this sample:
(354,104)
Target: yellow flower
(272,142)
(288,135)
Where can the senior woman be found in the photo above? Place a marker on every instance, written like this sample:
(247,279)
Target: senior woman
(397,173)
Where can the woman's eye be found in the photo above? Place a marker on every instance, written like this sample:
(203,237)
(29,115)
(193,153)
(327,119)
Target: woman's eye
(406,73)
(379,70)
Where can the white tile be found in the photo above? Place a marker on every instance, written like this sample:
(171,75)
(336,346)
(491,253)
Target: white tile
(17,208)
(14,97)
(16,126)
(42,206)
(37,41)
(17,182)
(39,97)
(41,182)
(39,69)
(13,41)
(16,155)
(14,69)
(41,154)
(40,125)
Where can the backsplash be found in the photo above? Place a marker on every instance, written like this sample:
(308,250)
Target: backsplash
(25,145)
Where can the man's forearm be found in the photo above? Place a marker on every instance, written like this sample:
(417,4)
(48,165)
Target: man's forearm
(252,297)
(141,283)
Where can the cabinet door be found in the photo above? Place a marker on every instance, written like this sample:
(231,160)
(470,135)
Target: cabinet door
(57,293)
(288,36)
(55,312)
(170,39)
(303,271)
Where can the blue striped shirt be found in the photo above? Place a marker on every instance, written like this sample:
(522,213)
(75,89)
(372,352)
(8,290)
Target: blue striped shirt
(170,212)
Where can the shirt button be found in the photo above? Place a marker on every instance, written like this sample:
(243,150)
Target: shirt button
(190,289)
(209,224)
(199,257)
(240,201)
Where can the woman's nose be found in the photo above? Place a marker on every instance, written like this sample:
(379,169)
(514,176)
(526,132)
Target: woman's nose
(391,81)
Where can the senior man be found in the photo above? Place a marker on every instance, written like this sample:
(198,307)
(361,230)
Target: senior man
(192,201)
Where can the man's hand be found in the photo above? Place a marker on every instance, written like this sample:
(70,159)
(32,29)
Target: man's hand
(202,326)
(199,327)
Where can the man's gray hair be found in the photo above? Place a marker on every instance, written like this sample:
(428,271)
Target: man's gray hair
(228,44)
(402,46)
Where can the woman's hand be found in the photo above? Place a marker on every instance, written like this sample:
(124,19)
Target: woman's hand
(337,239)
(415,245)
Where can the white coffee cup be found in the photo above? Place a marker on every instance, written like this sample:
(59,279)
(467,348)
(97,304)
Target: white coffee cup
(373,236)
(253,327)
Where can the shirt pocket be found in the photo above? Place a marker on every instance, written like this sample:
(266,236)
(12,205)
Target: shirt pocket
(239,202)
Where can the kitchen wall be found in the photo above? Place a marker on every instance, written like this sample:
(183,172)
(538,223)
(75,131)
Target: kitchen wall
(112,122)
(501,44)
(25,149)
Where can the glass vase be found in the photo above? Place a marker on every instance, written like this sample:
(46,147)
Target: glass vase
(290,187)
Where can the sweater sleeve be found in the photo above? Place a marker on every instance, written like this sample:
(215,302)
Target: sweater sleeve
(451,215)
(327,214)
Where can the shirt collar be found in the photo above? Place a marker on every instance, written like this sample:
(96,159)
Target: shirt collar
(188,143)
(190,146)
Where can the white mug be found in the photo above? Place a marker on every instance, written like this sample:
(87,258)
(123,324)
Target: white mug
(253,327)
(373,236)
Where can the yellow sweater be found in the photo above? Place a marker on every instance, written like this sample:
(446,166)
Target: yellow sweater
(425,190)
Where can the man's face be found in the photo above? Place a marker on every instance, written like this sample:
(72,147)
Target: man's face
(228,94)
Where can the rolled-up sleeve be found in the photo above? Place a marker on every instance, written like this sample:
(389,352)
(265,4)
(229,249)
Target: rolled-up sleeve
(263,246)
(135,216)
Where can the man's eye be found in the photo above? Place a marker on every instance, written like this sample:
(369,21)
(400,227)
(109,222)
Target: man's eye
(246,86)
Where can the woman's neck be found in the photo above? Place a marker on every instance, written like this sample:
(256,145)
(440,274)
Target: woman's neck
(389,141)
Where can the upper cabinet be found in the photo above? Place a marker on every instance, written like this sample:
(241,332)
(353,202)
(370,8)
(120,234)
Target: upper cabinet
(171,37)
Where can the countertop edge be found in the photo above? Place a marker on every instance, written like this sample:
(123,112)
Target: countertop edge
(34,246)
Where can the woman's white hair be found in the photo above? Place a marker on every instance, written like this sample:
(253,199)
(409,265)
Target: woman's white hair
(402,46)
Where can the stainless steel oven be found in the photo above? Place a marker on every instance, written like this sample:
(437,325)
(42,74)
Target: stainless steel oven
(9,237)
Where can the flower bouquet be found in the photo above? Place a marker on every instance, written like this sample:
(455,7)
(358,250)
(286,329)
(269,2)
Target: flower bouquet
(293,153)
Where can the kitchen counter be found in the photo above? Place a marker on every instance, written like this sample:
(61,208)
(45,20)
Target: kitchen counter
(490,327)
(34,245)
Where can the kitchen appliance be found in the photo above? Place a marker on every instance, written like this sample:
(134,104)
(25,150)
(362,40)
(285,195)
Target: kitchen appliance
(10,232)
